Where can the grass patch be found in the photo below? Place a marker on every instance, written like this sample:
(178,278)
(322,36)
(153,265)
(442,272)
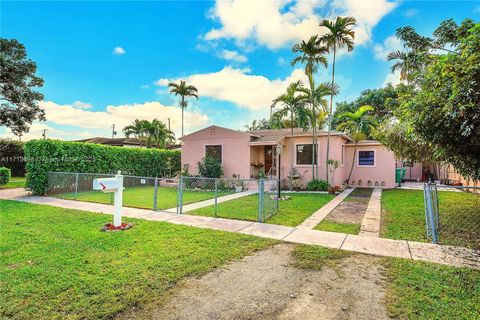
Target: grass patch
(327,225)
(315,257)
(420,290)
(55,263)
(291,212)
(142,197)
(15,182)
(404,216)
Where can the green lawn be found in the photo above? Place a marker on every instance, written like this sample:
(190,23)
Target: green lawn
(142,197)
(327,225)
(291,212)
(15,182)
(420,290)
(404,216)
(415,290)
(57,264)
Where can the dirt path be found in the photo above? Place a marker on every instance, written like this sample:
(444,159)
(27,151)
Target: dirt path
(352,209)
(267,286)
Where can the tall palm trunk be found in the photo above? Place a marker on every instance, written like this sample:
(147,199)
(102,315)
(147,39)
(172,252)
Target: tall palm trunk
(353,162)
(183,107)
(330,113)
(314,137)
(291,140)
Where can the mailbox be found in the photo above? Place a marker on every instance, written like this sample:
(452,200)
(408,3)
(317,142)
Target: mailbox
(106,184)
(113,185)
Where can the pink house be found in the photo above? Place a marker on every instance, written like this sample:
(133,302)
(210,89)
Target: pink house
(247,153)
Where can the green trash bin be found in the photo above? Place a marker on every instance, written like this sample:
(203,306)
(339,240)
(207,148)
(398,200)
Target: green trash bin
(399,174)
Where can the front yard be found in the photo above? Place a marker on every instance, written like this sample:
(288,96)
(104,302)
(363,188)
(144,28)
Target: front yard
(290,212)
(55,263)
(404,217)
(143,197)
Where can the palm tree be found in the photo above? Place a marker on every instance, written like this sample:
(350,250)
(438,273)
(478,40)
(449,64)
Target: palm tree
(312,55)
(357,125)
(407,63)
(184,91)
(136,129)
(339,35)
(319,110)
(293,107)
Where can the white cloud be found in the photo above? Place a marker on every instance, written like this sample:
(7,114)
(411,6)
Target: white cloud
(410,13)
(232,55)
(119,51)
(276,24)
(393,78)
(81,105)
(68,122)
(390,44)
(238,86)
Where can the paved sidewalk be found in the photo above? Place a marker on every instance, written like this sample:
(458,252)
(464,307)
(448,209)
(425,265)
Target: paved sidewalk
(448,255)
(321,213)
(371,220)
(211,202)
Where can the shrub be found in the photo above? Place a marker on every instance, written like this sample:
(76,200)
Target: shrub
(317,185)
(4,176)
(210,168)
(51,155)
(12,156)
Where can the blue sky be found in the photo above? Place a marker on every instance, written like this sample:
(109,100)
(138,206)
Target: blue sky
(108,62)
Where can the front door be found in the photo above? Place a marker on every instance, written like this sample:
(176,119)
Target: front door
(268,158)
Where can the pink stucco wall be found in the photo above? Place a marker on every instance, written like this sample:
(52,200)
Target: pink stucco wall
(414,173)
(382,172)
(238,154)
(235,150)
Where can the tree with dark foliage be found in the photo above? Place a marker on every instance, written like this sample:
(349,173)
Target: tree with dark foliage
(18,99)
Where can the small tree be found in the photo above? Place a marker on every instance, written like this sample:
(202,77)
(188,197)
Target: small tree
(4,176)
(18,99)
(356,125)
(210,167)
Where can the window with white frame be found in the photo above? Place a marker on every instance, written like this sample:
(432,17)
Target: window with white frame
(366,158)
(304,154)
(214,151)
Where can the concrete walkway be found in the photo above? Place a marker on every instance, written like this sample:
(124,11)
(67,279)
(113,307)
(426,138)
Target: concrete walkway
(447,255)
(321,213)
(371,220)
(211,202)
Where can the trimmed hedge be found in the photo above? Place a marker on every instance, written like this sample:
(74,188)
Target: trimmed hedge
(317,185)
(4,176)
(12,156)
(43,156)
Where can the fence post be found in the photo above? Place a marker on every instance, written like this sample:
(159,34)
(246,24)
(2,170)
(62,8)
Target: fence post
(76,185)
(260,200)
(429,213)
(216,196)
(155,194)
(180,196)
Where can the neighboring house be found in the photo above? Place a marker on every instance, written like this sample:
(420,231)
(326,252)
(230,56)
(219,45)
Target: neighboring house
(116,142)
(246,153)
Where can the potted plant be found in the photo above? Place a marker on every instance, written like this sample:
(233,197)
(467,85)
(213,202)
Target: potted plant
(239,184)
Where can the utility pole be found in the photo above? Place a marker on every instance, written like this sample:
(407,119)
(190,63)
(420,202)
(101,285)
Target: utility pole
(44,133)
(113,131)
(168,124)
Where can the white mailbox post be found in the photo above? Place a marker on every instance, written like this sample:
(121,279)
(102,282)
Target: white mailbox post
(113,185)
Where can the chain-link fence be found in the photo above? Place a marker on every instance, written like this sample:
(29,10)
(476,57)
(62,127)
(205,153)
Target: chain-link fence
(245,199)
(452,218)
(140,192)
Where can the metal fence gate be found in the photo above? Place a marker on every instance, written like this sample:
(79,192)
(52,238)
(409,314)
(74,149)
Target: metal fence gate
(452,222)
(244,199)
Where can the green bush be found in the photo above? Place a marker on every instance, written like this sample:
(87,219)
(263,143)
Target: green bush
(4,176)
(12,156)
(51,155)
(317,185)
(210,168)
